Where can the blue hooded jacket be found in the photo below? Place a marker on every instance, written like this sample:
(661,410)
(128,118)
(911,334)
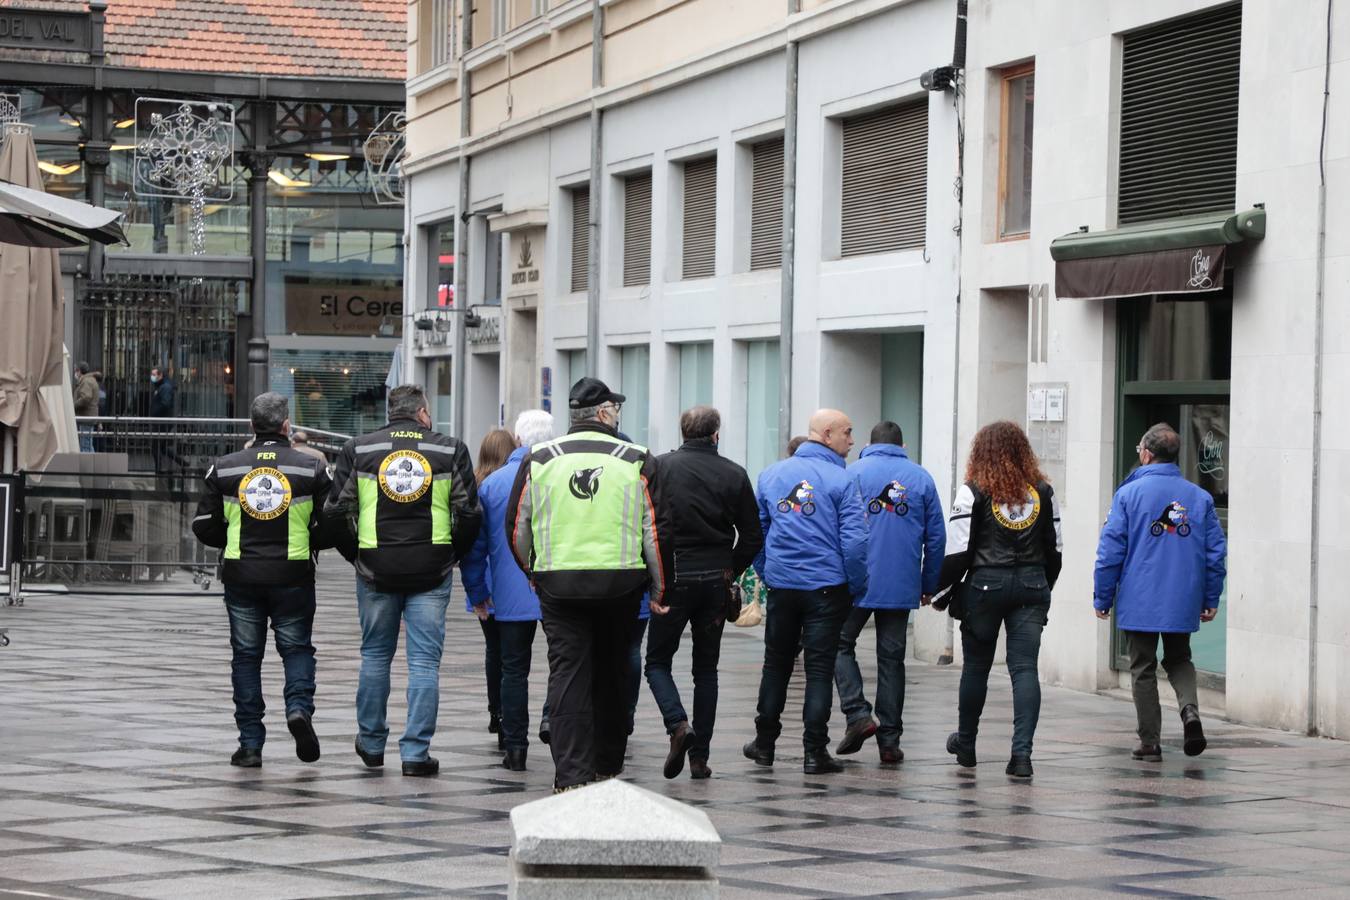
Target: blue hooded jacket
(815,534)
(489,571)
(908,535)
(1162,553)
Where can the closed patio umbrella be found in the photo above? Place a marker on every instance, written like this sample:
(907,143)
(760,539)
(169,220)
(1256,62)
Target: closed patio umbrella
(26,203)
(31,310)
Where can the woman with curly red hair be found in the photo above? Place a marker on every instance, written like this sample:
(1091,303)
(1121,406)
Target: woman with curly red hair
(1003,557)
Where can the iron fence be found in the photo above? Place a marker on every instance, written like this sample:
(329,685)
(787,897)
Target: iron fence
(183,445)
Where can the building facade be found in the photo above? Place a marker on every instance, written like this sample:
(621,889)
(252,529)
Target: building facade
(290,277)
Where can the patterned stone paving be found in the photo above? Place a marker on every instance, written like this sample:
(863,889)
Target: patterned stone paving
(116,728)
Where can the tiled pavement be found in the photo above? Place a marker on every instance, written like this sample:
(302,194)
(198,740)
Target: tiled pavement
(115,728)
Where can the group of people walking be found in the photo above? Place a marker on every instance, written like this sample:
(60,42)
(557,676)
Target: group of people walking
(594,536)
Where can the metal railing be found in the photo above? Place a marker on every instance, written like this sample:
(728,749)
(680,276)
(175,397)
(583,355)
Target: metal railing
(182,445)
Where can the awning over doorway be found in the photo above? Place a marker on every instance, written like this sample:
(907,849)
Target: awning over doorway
(1171,256)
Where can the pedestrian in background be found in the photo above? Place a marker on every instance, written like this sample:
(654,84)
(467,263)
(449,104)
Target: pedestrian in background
(717,534)
(1161,563)
(493,453)
(409,495)
(1004,540)
(161,407)
(86,403)
(905,546)
(263,507)
(498,590)
(584,528)
(814,563)
(300,441)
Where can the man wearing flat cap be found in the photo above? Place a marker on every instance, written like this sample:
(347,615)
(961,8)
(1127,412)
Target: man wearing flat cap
(583,527)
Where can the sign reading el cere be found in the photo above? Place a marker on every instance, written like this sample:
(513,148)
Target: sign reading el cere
(347,308)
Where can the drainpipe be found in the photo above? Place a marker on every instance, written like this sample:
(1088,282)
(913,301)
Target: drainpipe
(459,364)
(1319,349)
(789,263)
(593,217)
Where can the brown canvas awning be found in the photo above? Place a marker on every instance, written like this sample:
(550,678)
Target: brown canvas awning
(1173,256)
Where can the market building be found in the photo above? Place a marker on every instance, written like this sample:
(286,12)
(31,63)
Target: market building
(288,274)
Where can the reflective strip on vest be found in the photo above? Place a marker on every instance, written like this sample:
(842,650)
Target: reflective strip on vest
(297,522)
(579,497)
(233,516)
(368,496)
(440,510)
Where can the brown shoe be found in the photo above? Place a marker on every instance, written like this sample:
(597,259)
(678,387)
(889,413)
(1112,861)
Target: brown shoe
(892,755)
(854,736)
(681,739)
(698,769)
(1147,753)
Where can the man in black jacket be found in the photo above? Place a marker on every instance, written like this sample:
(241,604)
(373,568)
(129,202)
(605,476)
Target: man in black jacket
(717,533)
(262,506)
(411,494)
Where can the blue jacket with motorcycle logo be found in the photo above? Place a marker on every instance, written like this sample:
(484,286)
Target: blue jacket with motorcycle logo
(815,535)
(1162,554)
(908,535)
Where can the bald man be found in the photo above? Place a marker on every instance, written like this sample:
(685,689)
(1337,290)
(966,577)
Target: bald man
(814,563)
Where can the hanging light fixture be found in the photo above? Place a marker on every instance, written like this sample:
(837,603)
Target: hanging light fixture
(52,168)
(328,157)
(285,180)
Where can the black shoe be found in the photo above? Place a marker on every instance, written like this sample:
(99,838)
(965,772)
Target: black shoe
(514,760)
(1195,742)
(306,741)
(757,753)
(1147,753)
(422,768)
(372,760)
(680,742)
(854,736)
(820,762)
(494,723)
(545,732)
(891,756)
(965,756)
(1019,766)
(247,758)
(698,769)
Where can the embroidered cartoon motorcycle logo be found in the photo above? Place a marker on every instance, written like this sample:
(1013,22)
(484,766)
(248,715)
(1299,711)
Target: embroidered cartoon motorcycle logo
(1021,516)
(893,498)
(585,482)
(800,499)
(1173,520)
(264,493)
(405,475)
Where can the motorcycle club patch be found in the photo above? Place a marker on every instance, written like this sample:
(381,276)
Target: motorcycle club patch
(264,493)
(405,476)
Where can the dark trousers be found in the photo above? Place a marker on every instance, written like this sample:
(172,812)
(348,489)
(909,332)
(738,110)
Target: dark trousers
(589,658)
(810,621)
(517,646)
(633,673)
(492,664)
(1018,600)
(702,606)
(291,613)
(1176,662)
(892,627)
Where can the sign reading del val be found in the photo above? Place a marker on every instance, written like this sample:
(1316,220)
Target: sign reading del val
(350,306)
(44,29)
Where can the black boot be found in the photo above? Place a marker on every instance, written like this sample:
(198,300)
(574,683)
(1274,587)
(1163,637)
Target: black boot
(1019,766)
(372,760)
(545,732)
(306,741)
(1195,742)
(514,760)
(1147,752)
(247,758)
(965,756)
(757,753)
(422,768)
(820,762)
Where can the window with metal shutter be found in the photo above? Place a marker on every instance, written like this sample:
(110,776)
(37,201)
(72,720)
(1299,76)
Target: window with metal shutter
(766,206)
(637,230)
(1179,117)
(885,189)
(700,218)
(581,238)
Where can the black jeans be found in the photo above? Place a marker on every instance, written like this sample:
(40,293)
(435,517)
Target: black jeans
(492,664)
(702,605)
(810,621)
(589,659)
(1018,599)
(633,673)
(516,642)
(291,611)
(892,636)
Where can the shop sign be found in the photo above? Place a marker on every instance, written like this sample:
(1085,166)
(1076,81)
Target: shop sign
(526,247)
(42,29)
(344,308)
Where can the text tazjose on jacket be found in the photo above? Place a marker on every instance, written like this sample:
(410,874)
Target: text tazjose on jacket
(982,533)
(908,535)
(489,571)
(815,533)
(1162,554)
(411,495)
(86,395)
(582,521)
(263,507)
(712,511)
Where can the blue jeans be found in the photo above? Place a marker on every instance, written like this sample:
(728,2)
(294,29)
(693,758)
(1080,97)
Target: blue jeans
(892,625)
(809,621)
(86,438)
(380,614)
(702,606)
(291,611)
(516,644)
(1018,599)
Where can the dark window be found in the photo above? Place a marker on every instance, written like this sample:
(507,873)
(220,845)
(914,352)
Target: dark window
(700,218)
(766,206)
(581,238)
(1179,117)
(637,230)
(885,189)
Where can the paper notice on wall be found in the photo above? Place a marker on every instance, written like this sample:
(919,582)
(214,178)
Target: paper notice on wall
(1036,404)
